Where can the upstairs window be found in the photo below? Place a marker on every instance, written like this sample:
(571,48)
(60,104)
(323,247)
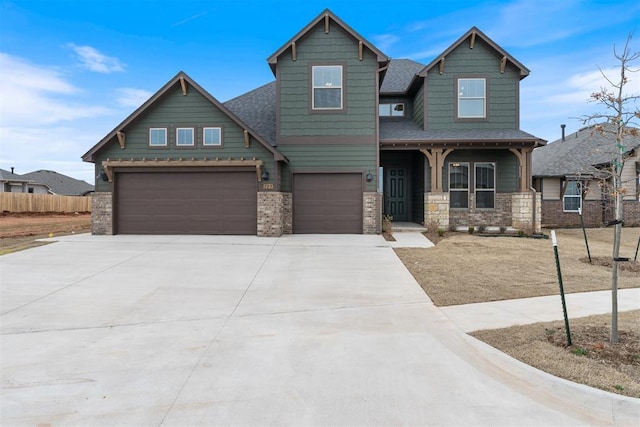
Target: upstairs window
(391,110)
(212,137)
(472,98)
(158,137)
(184,137)
(459,185)
(485,185)
(572,199)
(327,87)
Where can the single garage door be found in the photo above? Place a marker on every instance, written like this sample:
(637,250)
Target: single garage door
(186,203)
(327,203)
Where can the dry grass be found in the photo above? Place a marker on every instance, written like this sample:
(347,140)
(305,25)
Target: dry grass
(463,268)
(591,360)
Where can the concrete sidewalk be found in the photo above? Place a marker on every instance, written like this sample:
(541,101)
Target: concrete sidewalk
(223,330)
(502,314)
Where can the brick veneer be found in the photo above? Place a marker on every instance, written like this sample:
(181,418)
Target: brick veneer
(436,209)
(501,216)
(270,213)
(101,213)
(592,212)
(371,220)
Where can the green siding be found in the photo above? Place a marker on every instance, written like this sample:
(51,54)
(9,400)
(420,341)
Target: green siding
(502,89)
(176,110)
(506,167)
(418,107)
(330,158)
(318,48)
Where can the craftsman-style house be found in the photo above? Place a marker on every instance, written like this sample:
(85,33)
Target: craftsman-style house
(342,136)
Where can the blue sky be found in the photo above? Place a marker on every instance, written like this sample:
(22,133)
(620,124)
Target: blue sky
(72,70)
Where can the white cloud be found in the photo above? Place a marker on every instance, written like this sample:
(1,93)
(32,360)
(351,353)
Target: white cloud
(385,41)
(131,97)
(94,60)
(33,95)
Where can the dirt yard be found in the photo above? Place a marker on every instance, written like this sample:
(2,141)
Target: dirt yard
(20,231)
(463,268)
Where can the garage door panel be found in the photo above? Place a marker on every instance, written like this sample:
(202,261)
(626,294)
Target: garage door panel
(327,203)
(186,203)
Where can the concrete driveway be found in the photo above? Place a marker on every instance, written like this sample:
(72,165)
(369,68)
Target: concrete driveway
(299,330)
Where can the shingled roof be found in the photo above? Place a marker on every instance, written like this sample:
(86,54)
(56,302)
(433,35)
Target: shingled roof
(400,75)
(59,183)
(258,110)
(407,131)
(579,153)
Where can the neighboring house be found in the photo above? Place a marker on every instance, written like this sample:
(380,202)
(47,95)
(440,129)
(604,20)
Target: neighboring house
(60,184)
(571,173)
(343,135)
(13,183)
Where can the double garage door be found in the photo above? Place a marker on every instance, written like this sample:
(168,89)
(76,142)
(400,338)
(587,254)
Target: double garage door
(226,203)
(186,203)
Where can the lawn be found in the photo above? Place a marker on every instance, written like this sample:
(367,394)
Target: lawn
(463,269)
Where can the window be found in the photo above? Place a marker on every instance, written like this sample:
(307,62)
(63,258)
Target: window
(158,137)
(459,185)
(485,185)
(572,199)
(184,137)
(212,137)
(391,110)
(327,87)
(472,98)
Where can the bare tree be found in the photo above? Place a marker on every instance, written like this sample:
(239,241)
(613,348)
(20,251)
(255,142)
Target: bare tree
(621,115)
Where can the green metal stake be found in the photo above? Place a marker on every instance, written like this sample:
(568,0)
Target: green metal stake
(584,232)
(554,242)
(635,258)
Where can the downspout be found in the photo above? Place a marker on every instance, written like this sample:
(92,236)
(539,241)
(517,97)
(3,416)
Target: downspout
(534,209)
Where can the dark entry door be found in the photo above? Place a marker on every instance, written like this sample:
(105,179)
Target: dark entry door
(395,192)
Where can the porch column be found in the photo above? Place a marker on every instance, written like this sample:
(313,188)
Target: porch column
(524,164)
(436,158)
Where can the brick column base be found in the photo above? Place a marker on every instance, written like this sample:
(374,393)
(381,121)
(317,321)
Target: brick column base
(522,212)
(436,210)
(371,213)
(270,214)
(101,213)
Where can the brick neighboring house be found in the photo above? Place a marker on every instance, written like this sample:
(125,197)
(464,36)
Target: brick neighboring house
(343,135)
(570,173)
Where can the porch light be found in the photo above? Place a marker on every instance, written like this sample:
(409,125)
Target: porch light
(369,176)
(265,175)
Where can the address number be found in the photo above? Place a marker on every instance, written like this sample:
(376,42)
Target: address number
(267,186)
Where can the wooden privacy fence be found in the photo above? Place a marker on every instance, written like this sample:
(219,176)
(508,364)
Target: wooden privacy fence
(27,202)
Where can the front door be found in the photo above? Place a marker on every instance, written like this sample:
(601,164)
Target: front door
(395,193)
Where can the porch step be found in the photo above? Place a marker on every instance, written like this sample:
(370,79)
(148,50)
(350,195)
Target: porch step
(407,226)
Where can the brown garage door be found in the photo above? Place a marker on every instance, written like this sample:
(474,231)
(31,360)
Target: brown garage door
(186,203)
(327,203)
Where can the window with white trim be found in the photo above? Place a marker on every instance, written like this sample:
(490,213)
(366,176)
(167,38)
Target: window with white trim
(572,199)
(158,137)
(212,137)
(459,185)
(391,110)
(327,87)
(184,137)
(472,98)
(485,185)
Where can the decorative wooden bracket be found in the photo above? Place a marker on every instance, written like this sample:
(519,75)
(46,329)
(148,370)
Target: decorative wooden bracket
(360,50)
(246,138)
(442,65)
(436,157)
(524,162)
(473,40)
(326,23)
(503,64)
(294,54)
(183,84)
(121,139)
(259,172)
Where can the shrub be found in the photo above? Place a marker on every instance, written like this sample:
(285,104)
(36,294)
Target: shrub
(471,229)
